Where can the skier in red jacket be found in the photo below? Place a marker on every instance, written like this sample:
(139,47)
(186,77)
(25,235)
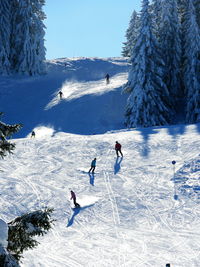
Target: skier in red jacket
(118,149)
(73,196)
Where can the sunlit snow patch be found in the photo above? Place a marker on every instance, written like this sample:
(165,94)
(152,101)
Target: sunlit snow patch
(87,200)
(74,89)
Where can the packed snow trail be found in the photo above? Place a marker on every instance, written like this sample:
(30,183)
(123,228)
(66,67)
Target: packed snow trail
(128,218)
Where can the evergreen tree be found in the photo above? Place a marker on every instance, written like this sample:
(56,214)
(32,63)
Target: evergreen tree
(27,41)
(170,43)
(191,63)
(5,31)
(6,131)
(147,103)
(131,35)
(156,13)
(24,228)
(197,9)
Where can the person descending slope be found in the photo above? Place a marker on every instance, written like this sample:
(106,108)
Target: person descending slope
(107,78)
(73,196)
(93,165)
(33,134)
(118,149)
(61,95)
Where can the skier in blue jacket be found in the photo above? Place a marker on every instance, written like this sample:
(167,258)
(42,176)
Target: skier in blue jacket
(93,165)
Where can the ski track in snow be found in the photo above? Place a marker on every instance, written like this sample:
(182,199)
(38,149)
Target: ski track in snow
(129,217)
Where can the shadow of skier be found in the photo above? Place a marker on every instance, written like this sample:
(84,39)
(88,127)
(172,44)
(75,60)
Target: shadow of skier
(91,175)
(76,212)
(117,166)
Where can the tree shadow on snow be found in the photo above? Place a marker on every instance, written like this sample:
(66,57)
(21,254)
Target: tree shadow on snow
(198,127)
(76,211)
(117,165)
(146,133)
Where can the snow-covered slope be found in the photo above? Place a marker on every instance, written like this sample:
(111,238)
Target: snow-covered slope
(135,211)
(89,105)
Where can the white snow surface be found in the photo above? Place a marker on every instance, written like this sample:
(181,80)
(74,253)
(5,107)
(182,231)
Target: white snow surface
(135,211)
(3,233)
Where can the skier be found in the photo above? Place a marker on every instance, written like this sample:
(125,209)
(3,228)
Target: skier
(33,134)
(118,149)
(61,95)
(107,78)
(93,165)
(73,196)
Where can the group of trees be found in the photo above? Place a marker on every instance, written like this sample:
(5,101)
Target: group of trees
(163,46)
(22,37)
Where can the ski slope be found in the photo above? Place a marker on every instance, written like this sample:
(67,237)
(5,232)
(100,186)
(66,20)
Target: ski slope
(135,211)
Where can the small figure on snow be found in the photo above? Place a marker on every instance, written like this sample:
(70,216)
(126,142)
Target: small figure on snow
(107,78)
(33,134)
(93,165)
(73,196)
(118,149)
(61,95)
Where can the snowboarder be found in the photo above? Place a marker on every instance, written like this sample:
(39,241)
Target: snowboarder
(93,165)
(33,134)
(73,196)
(61,95)
(118,149)
(107,78)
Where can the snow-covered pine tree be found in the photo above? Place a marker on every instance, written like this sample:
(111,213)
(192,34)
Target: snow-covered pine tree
(170,44)
(5,31)
(147,103)
(197,9)
(6,131)
(131,35)
(191,66)
(24,228)
(28,51)
(39,51)
(156,13)
(7,260)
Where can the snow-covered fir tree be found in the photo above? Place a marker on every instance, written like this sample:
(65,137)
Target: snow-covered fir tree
(191,63)
(156,13)
(24,228)
(6,131)
(170,43)
(147,103)
(5,31)
(28,51)
(197,9)
(131,35)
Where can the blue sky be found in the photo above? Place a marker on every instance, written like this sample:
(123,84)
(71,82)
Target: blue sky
(87,28)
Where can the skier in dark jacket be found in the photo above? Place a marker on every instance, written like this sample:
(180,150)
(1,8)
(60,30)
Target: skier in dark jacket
(60,94)
(33,134)
(118,149)
(93,165)
(107,78)
(73,196)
